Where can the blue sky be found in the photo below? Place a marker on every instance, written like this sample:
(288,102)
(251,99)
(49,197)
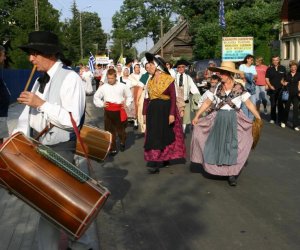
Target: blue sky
(105,9)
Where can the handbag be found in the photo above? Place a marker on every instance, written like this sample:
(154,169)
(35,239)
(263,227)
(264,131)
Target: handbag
(285,95)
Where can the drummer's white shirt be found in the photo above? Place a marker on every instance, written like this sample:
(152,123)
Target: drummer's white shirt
(72,97)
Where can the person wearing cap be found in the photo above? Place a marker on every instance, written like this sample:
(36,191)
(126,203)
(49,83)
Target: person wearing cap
(184,87)
(222,140)
(4,101)
(164,139)
(54,96)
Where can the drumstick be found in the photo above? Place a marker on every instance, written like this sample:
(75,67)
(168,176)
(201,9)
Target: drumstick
(30,77)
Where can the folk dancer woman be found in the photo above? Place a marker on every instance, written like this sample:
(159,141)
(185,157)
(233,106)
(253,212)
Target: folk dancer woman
(164,138)
(222,141)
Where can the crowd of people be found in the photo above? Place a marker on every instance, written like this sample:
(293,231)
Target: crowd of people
(161,101)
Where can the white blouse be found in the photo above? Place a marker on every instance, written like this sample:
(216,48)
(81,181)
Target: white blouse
(237,100)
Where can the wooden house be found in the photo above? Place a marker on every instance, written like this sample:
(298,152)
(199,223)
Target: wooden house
(176,43)
(290,31)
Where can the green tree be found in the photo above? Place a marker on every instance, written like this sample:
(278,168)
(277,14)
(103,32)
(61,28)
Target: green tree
(72,35)
(138,19)
(93,36)
(243,18)
(20,20)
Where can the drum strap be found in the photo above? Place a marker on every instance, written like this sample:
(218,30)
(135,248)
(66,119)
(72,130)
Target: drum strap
(44,131)
(82,145)
(47,128)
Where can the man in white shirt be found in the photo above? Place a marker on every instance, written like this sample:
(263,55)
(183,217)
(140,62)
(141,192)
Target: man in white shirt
(184,86)
(54,96)
(113,96)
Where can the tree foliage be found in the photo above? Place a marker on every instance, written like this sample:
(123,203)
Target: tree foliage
(138,19)
(93,37)
(258,18)
(17,20)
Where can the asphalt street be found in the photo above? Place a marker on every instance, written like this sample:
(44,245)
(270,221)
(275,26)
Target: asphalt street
(182,207)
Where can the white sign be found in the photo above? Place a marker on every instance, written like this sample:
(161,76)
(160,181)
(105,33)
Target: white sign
(236,48)
(102,60)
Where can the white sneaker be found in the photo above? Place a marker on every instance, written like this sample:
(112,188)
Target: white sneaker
(272,121)
(282,125)
(296,129)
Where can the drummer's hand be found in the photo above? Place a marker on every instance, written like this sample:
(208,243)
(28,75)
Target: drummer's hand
(30,99)
(171,119)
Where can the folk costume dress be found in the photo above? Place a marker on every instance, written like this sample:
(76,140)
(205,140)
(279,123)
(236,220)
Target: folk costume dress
(222,140)
(163,141)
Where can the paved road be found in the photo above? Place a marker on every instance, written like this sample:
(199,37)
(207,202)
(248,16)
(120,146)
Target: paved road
(182,208)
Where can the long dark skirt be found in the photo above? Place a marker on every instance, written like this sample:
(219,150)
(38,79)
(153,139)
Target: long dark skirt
(163,141)
(159,132)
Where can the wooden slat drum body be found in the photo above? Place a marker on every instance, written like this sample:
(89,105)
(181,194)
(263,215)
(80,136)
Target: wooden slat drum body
(66,201)
(97,142)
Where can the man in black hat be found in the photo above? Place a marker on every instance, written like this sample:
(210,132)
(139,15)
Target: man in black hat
(54,96)
(184,87)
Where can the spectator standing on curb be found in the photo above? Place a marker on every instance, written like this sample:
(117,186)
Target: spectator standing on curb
(292,83)
(250,76)
(261,85)
(274,78)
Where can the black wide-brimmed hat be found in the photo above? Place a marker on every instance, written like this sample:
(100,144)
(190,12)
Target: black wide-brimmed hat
(181,62)
(158,60)
(44,42)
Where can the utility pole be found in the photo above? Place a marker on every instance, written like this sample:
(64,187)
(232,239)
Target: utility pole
(80,31)
(36,15)
(161,38)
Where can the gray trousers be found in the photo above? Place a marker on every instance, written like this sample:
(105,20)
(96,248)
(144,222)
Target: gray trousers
(48,234)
